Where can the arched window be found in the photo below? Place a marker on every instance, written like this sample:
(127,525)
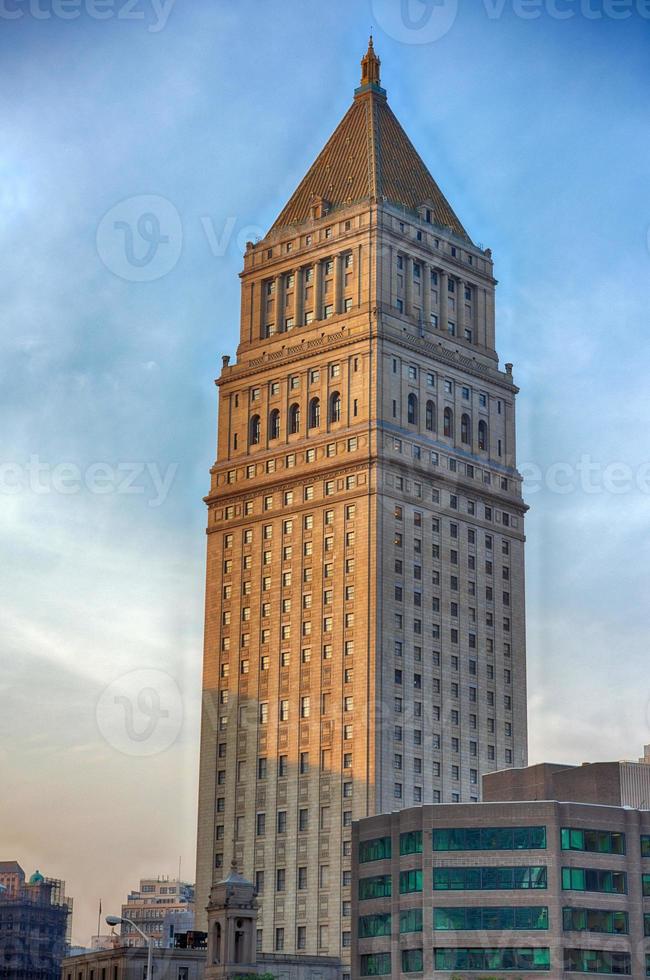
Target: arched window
(449,423)
(294,418)
(482,435)
(431,416)
(335,407)
(274,424)
(255,430)
(412,409)
(465,429)
(314,413)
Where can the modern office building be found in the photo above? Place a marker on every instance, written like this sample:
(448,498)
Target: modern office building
(35,924)
(161,907)
(364,632)
(540,887)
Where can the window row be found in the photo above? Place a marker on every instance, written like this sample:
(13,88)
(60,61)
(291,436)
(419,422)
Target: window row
(288,527)
(431,425)
(458,879)
(454,465)
(289,497)
(288,462)
(294,418)
(489,838)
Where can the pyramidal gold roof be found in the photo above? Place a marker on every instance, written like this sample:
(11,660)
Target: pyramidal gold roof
(369,156)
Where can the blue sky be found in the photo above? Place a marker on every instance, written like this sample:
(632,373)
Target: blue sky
(532,117)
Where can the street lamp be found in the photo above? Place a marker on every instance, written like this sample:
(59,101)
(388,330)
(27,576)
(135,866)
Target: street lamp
(114,920)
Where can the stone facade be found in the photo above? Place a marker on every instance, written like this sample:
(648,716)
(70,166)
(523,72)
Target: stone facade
(130,963)
(364,622)
(539,888)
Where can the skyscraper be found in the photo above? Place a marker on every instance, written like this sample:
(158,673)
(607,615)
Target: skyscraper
(365,635)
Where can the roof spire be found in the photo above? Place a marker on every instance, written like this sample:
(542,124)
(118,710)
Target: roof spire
(370,66)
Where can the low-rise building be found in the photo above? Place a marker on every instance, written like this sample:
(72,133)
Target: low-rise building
(541,887)
(130,963)
(35,924)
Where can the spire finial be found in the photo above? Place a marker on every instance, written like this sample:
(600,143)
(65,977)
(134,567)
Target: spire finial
(370,65)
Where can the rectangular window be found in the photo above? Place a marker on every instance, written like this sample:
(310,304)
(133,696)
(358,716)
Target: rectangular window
(490,918)
(489,838)
(488,879)
(597,961)
(374,965)
(371,926)
(595,920)
(410,881)
(378,886)
(594,880)
(497,958)
(599,841)
(410,842)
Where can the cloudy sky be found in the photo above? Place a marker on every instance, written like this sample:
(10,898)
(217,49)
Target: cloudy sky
(193,120)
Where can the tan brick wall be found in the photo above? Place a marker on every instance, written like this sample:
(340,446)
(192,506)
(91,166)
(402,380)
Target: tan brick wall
(260,481)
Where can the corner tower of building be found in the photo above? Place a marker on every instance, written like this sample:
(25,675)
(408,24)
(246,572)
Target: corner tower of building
(364,635)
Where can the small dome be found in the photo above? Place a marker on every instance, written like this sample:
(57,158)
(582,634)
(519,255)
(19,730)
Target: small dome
(36,878)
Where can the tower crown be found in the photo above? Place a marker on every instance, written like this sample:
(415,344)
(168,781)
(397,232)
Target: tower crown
(368,157)
(370,66)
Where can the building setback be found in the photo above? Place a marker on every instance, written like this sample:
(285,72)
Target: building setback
(538,887)
(364,630)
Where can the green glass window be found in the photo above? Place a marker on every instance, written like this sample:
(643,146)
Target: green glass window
(490,917)
(645,845)
(472,879)
(374,850)
(647,964)
(598,841)
(410,881)
(594,880)
(374,965)
(488,838)
(646,923)
(412,961)
(410,842)
(597,961)
(379,886)
(645,881)
(410,920)
(595,920)
(374,925)
(504,958)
